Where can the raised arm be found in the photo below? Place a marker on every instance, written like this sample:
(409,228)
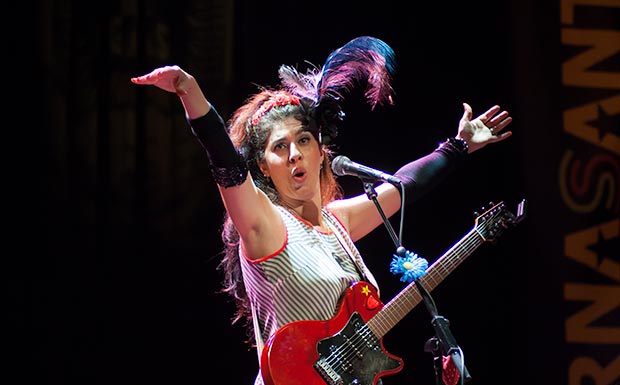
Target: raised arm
(258,222)
(420,176)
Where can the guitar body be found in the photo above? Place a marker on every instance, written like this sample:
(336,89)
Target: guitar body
(341,350)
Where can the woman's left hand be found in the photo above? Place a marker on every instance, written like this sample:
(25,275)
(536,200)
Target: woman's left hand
(486,128)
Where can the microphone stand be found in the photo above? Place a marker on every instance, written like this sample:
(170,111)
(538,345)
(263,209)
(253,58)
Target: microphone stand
(443,343)
(369,188)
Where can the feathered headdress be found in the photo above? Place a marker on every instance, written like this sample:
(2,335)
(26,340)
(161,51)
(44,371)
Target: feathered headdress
(364,61)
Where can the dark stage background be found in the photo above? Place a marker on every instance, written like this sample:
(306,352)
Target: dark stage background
(118,225)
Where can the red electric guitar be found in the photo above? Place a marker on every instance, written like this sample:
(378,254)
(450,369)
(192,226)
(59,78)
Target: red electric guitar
(348,349)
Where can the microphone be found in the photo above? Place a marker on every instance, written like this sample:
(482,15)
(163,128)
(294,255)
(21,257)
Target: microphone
(341,165)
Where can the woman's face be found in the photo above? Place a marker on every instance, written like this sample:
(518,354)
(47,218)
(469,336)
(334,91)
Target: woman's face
(293,161)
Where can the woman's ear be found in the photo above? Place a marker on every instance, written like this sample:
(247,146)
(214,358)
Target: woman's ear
(323,158)
(263,169)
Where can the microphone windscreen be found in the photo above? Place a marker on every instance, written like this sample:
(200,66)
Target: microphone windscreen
(338,165)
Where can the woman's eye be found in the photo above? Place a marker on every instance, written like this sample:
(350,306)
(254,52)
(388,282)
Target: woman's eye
(305,139)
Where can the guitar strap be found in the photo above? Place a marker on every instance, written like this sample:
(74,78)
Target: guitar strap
(351,250)
(257,336)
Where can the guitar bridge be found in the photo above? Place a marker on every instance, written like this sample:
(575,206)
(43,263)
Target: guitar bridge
(328,373)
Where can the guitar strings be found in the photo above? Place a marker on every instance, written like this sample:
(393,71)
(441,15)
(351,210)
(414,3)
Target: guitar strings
(453,257)
(357,346)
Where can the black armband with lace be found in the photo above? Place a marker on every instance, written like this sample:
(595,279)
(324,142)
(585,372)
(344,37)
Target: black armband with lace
(422,175)
(454,148)
(227,166)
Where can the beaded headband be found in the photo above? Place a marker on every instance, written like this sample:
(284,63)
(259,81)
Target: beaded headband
(276,101)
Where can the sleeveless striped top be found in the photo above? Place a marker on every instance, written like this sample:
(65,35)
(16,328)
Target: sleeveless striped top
(306,278)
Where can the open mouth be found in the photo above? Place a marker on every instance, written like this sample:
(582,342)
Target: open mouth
(299,174)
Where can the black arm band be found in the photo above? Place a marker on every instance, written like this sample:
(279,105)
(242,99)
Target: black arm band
(454,148)
(422,175)
(228,167)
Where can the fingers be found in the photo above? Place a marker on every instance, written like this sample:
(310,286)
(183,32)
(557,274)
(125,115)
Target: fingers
(140,80)
(494,121)
(502,136)
(496,130)
(162,73)
(499,122)
(467,113)
(503,123)
(149,78)
(484,118)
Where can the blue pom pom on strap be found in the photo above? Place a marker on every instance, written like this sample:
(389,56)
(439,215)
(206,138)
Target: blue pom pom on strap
(410,266)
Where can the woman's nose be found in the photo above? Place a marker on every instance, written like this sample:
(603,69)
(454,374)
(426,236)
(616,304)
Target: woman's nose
(294,153)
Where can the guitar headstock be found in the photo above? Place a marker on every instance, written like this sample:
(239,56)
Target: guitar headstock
(493,221)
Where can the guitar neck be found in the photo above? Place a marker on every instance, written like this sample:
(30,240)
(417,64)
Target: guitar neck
(394,311)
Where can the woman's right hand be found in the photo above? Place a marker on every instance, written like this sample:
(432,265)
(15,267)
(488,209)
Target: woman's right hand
(174,79)
(168,78)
